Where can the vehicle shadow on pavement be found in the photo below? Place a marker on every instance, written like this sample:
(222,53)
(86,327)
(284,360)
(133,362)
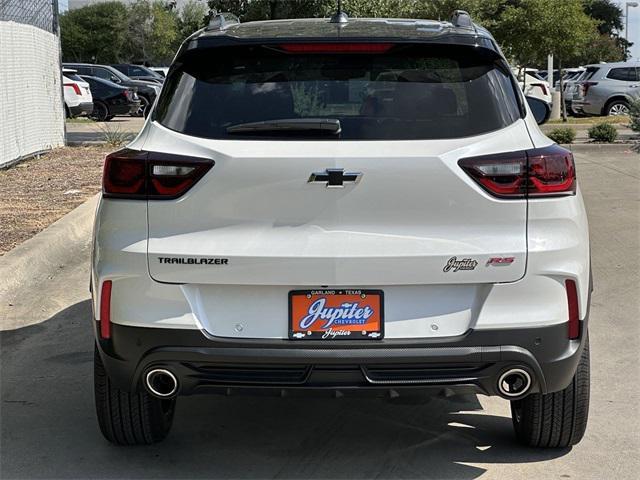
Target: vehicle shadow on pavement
(49,428)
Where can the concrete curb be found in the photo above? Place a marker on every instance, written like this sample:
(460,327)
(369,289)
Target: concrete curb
(34,265)
(631,148)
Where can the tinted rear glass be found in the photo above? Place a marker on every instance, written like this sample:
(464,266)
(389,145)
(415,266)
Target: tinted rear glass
(590,72)
(409,92)
(73,76)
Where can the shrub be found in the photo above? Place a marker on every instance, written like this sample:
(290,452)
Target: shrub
(114,136)
(603,132)
(634,114)
(562,135)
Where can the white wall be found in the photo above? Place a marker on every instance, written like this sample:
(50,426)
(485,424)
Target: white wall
(31,110)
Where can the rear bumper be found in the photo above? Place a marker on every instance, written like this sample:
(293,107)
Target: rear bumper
(586,107)
(81,108)
(468,363)
(124,109)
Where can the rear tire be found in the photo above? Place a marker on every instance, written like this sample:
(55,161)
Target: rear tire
(129,418)
(558,419)
(100,112)
(617,107)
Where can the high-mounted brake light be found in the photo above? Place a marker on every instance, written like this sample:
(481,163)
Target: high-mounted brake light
(105,310)
(574,316)
(541,172)
(75,86)
(151,175)
(336,47)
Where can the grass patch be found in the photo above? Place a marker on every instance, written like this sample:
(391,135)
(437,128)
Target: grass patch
(79,120)
(619,119)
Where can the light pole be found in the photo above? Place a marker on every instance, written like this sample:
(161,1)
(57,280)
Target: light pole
(626,19)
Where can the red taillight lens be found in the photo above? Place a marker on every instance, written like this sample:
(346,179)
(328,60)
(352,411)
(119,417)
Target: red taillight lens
(75,86)
(151,175)
(503,175)
(539,172)
(171,179)
(551,172)
(574,315)
(336,47)
(125,174)
(105,310)
(585,87)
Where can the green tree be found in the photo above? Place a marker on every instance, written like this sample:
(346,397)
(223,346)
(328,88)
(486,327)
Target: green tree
(532,29)
(95,33)
(608,14)
(152,32)
(192,17)
(609,17)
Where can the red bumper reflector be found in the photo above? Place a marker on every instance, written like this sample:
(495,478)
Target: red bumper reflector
(574,316)
(105,310)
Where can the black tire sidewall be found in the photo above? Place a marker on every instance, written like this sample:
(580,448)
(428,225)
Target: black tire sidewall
(104,112)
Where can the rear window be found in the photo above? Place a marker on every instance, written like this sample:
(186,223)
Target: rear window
(408,92)
(589,73)
(73,76)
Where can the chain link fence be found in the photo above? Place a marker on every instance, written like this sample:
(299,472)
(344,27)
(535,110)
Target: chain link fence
(39,13)
(31,105)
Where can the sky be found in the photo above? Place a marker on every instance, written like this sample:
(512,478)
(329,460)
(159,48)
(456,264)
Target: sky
(634,23)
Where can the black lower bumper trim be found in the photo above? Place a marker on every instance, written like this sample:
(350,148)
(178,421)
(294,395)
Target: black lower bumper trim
(471,362)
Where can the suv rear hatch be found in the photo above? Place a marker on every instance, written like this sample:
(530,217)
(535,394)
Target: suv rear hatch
(381,202)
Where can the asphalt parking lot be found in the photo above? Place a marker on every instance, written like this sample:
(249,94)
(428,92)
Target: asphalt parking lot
(49,429)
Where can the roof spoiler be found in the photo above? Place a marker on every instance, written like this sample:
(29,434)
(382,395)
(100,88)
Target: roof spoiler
(220,21)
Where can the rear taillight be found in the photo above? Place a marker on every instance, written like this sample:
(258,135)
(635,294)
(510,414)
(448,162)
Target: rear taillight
(151,175)
(128,94)
(75,86)
(540,172)
(584,86)
(542,87)
(574,316)
(336,47)
(105,310)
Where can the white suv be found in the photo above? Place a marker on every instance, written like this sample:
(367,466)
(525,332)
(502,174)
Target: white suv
(341,205)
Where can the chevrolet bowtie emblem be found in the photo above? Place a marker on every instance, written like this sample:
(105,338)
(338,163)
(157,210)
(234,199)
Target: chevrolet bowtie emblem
(335,177)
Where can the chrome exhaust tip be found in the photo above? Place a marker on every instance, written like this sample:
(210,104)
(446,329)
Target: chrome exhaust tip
(514,383)
(161,383)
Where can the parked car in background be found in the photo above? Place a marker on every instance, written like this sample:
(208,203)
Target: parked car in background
(111,99)
(77,94)
(160,70)
(533,86)
(139,72)
(570,87)
(607,89)
(147,91)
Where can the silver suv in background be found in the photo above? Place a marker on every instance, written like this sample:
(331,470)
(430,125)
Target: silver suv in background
(607,89)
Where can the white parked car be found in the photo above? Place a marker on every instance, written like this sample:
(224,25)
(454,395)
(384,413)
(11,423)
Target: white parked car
(534,86)
(77,94)
(310,209)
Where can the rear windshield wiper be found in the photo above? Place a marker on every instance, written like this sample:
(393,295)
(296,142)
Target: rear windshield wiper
(329,126)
